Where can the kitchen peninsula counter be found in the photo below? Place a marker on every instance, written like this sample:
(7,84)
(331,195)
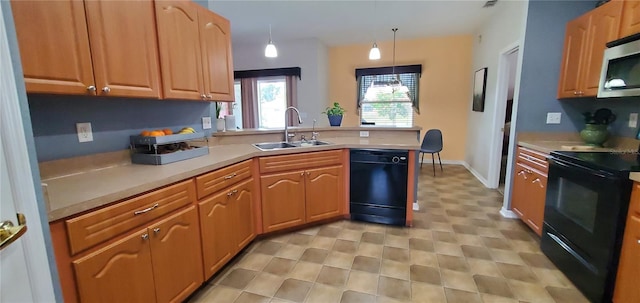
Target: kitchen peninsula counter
(74,193)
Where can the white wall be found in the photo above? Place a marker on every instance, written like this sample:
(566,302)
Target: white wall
(504,29)
(310,55)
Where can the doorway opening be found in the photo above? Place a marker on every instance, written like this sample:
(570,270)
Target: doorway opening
(511,60)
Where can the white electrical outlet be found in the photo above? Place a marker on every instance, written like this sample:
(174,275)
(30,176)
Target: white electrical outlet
(364,134)
(633,120)
(206,122)
(84,132)
(554,118)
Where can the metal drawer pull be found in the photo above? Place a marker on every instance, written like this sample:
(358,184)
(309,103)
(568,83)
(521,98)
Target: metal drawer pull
(638,241)
(522,173)
(230,176)
(234,191)
(539,182)
(145,236)
(156,230)
(139,212)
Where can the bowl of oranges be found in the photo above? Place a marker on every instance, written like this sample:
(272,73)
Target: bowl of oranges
(165,136)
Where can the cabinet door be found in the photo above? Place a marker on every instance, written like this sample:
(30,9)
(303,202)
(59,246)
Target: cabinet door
(176,254)
(537,195)
(124,48)
(324,188)
(626,289)
(120,272)
(574,46)
(216,227)
(519,195)
(215,40)
(179,43)
(242,215)
(54,46)
(282,200)
(630,23)
(604,27)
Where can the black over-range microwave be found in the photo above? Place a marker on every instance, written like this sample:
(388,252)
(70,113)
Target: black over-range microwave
(620,75)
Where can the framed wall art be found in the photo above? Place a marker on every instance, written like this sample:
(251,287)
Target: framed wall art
(479,89)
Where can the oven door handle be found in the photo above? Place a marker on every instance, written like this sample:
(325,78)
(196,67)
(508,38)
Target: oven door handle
(582,169)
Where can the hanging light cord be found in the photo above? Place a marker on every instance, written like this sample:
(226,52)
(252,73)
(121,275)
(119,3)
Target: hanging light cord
(270,41)
(393,68)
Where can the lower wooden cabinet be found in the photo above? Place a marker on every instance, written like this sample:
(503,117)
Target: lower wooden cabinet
(530,188)
(148,265)
(627,289)
(226,221)
(293,198)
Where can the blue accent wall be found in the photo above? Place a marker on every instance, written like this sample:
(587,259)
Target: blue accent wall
(113,120)
(542,56)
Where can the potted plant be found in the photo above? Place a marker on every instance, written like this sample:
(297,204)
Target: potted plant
(219,120)
(595,131)
(335,113)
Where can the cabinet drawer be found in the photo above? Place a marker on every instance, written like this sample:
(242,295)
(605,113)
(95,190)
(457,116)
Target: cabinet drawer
(533,159)
(101,225)
(300,161)
(214,181)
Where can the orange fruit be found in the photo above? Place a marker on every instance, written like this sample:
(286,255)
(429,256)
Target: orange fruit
(156,133)
(167,131)
(145,133)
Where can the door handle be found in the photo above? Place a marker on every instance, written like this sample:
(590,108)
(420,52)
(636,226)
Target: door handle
(537,180)
(10,233)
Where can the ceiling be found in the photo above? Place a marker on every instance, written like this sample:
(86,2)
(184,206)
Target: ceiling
(348,22)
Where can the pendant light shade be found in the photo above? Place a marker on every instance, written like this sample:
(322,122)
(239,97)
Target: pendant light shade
(270,51)
(374,53)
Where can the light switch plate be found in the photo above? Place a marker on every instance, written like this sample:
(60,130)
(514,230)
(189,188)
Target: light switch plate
(554,118)
(84,132)
(364,134)
(633,120)
(206,122)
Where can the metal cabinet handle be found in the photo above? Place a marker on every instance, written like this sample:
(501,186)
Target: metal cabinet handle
(148,209)
(523,174)
(308,173)
(230,176)
(537,180)
(203,96)
(302,173)
(91,88)
(156,230)
(575,93)
(145,236)
(209,97)
(229,194)
(638,241)
(10,233)
(106,90)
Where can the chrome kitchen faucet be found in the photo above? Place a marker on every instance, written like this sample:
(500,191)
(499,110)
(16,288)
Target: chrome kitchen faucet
(286,123)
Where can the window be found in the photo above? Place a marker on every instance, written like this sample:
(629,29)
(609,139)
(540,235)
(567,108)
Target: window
(265,96)
(387,99)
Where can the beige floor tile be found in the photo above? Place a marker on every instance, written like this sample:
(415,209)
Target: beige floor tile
(566,295)
(368,264)
(381,299)
(493,286)
(268,247)
(351,235)
(453,263)
(300,239)
(427,293)
(425,274)
(444,236)
(423,258)
(265,284)
(517,272)
(458,280)
(305,271)
(254,261)
(333,276)
(294,290)
(363,282)
(476,252)
(530,292)
(369,250)
(469,239)
(324,294)
(345,246)
(311,231)
(279,266)
(350,296)
(395,254)
(396,241)
(322,242)
(314,255)
(338,259)
(282,238)
(451,249)
(290,251)
(552,277)
(394,288)
(506,256)
(247,297)
(216,294)
(421,233)
(461,296)
(238,278)
(484,267)
(398,270)
(486,298)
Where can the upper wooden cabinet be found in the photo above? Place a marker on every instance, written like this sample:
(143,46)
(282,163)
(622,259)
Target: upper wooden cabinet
(630,23)
(584,45)
(88,48)
(195,52)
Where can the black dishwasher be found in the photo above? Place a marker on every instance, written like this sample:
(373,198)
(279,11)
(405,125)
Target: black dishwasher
(378,185)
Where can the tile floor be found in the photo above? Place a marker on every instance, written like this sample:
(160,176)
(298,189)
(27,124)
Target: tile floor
(459,250)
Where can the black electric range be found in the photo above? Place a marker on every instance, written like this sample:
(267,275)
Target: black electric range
(586,207)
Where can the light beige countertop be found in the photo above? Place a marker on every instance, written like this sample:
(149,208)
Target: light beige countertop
(75,193)
(635,176)
(255,131)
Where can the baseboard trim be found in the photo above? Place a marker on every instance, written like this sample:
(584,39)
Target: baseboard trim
(508,213)
(477,175)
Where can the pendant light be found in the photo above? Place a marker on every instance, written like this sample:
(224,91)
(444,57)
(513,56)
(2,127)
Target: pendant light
(399,90)
(374,53)
(270,51)
(394,87)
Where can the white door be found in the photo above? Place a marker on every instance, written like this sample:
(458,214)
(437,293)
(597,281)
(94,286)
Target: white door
(25,275)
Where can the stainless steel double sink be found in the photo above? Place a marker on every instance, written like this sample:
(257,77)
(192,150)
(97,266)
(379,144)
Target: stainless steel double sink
(282,145)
